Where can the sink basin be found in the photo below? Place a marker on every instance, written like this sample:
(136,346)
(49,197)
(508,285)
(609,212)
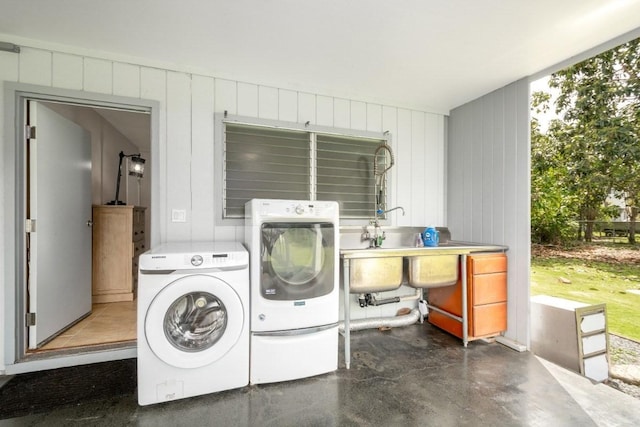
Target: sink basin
(375,274)
(432,271)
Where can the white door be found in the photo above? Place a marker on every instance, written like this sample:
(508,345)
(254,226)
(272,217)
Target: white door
(59,198)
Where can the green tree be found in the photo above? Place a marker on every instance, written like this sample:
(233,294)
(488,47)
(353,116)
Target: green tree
(553,206)
(599,104)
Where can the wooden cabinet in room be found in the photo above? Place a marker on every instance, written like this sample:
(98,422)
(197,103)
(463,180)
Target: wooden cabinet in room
(486,298)
(118,240)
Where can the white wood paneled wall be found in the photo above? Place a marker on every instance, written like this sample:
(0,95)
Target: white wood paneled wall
(185,132)
(488,188)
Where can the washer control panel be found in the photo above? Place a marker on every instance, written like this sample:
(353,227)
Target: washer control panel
(223,255)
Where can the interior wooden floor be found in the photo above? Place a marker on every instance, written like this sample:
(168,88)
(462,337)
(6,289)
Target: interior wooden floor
(108,323)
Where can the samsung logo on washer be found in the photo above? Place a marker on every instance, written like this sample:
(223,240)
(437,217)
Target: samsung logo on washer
(158,256)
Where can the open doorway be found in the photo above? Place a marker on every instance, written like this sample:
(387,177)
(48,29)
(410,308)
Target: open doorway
(87,221)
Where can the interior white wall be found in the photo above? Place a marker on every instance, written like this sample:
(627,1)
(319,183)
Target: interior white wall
(185,159)
(488,186)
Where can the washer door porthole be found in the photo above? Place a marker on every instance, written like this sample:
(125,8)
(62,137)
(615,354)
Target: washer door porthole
(195,321)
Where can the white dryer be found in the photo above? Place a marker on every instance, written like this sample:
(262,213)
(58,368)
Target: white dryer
(294,248)
(193,320)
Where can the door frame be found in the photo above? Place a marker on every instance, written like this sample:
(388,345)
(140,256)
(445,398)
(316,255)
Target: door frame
(15,333)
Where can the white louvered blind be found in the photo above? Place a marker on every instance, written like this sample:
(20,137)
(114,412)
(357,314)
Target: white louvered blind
(275,163)
(344,172)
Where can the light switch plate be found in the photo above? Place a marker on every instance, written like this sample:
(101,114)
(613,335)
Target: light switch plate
(178,215)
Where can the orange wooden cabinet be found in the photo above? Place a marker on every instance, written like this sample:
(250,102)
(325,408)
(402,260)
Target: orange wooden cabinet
(486,298)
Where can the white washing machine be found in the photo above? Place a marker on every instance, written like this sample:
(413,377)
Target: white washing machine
(193,320)
(294,248)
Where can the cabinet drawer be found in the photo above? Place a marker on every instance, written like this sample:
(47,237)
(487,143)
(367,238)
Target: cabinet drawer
(491,263)
(489,319)
(489,288)
(138,248)
(138,234)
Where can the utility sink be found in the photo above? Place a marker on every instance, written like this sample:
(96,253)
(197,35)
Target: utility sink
(384,268)
(375,274)
(430,271)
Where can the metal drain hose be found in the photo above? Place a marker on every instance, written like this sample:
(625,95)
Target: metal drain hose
(377,322)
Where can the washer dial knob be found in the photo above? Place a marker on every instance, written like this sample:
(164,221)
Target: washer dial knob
(299,209)
(196,260)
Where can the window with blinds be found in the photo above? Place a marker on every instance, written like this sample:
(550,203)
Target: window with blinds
(344,172)
(275,163)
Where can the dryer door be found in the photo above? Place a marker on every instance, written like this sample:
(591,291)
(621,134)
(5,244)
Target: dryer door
(298,260)
(194,321)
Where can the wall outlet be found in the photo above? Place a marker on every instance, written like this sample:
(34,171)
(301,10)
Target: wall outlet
(178,215)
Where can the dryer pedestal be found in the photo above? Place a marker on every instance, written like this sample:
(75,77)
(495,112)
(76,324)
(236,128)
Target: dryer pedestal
(276,358)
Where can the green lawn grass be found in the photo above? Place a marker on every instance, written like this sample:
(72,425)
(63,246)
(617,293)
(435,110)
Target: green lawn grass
(593,283)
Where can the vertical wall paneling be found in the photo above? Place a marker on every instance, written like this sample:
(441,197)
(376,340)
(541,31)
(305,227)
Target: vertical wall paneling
(374,118)
(247,100)
(202,158)
(467,173)
(226,96)
(10,66)
(358,113)
(179,153)
(98,75)
(403,157)
(498,156)
(67,71)
(341,113)
(126,80)
(521,261)
(487,160)
(455,179)
(306,108)
(268,103)
(418,166)
(35,66)
(477,173)
(324,110)
(433,192)
(287,105)
(503,183)
(153,85)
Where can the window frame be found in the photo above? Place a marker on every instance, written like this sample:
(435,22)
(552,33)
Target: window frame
(219,161)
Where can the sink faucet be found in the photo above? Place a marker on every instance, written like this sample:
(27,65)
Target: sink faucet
(378,236)
(382,212)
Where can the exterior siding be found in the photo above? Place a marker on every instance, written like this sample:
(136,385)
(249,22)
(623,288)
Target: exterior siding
(488,174)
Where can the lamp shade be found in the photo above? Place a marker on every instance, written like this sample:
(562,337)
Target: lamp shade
(136,166)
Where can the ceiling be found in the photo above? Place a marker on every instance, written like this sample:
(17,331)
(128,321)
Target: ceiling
(425,54)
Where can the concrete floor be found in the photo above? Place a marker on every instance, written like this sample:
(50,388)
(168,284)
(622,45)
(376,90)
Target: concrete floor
(416,375)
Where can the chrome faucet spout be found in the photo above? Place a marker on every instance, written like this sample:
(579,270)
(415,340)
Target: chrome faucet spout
(381,212)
